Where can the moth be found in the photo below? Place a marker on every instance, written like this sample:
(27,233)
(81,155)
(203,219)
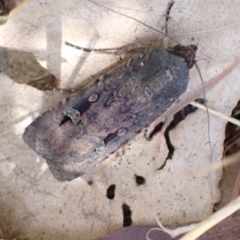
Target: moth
(85,128)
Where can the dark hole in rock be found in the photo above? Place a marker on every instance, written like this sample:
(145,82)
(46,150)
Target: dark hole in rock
(90,182)
(127,213)
(111,191)
(140,180)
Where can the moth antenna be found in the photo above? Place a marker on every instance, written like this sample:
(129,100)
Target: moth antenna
(207,110)
(113,50)
(135,19)
(166,38)
(100,50)
(168,16)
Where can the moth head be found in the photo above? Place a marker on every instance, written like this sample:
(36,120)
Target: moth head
(187,52)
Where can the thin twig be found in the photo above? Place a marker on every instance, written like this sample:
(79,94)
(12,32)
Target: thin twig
(214,219)
(216,113)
